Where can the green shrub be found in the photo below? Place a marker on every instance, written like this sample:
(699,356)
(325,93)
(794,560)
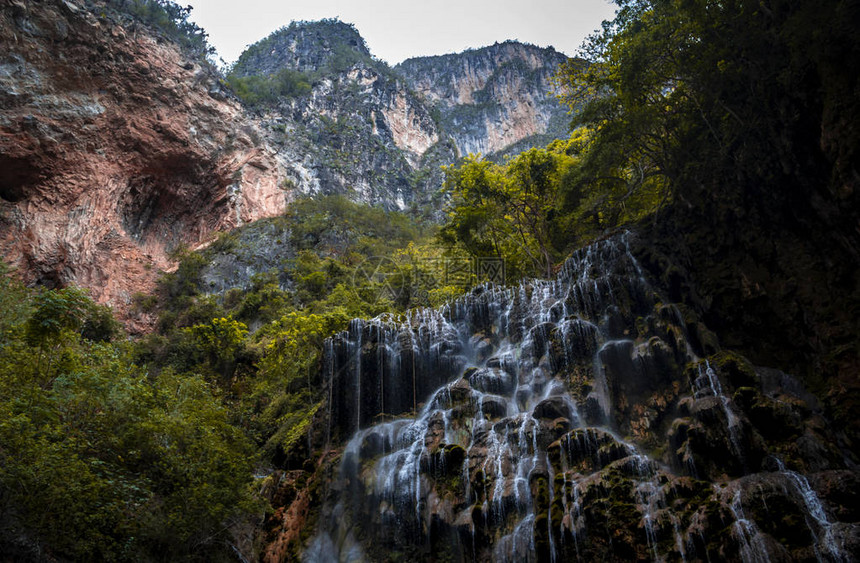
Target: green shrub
(263,90)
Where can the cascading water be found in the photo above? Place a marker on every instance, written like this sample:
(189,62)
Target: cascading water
(826,545)
(509,403)
(709,382)
(752,547)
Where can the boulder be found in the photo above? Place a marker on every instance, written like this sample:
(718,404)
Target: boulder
(492,380)
(554,407)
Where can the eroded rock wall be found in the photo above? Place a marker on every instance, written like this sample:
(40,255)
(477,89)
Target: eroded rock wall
(493,97)
(115,148)
(380,134)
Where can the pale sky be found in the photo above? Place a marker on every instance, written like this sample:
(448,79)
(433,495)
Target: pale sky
(398,29)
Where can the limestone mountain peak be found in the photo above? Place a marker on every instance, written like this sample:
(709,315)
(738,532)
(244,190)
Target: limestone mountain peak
(305,46)
(130,146)
(395,126)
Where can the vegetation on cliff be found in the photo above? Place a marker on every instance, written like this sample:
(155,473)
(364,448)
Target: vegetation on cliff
(115,449)
(171,19)
(285,64)
(722,129)
(741,111)
(99,458)
(256,90)
(533,210)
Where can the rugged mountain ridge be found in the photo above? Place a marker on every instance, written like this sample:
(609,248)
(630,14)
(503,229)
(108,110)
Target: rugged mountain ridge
(115,149)
(379,133)
(359,131)
(123,148)
(494,98)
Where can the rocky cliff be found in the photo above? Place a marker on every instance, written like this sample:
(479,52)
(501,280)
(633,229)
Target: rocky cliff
(381,134)
(493,98)
(116,148)
(359,130)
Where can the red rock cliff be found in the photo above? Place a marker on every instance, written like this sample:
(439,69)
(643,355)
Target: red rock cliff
(114,149)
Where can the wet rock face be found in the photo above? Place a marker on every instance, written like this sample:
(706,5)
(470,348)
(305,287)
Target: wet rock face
(115,149)
(496,455)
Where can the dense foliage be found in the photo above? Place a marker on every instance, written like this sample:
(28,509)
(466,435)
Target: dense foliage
(99,459)
(708,95)
(258,90)
(533,209)
(338,260)
(745,113)
(508,211)
(684,102)
(335,47)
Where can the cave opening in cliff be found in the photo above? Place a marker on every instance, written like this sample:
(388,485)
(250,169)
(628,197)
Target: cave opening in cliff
(164,206)
(17,177)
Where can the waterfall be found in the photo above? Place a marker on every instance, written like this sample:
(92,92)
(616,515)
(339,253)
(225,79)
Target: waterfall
(816,518)
(501,421)
(709,381)
(752,546)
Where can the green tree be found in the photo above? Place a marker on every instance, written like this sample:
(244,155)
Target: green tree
(710,98)
(532,199)
(475,209)
(258,90)
(221,340)
(510,210)
(173,20)
(100,460)
(15,304)
(286,392)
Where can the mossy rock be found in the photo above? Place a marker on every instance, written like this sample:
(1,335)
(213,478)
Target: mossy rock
(468,373)
(624,512)
(738,370)
(460,393)
(540,494)
(781,517)
(587,448)
(371,446)
(745,397)
(454,455)
(553,408)
(494,407)
(707,340)
(775,421)
(553,452)
(556,512)
(688,493)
